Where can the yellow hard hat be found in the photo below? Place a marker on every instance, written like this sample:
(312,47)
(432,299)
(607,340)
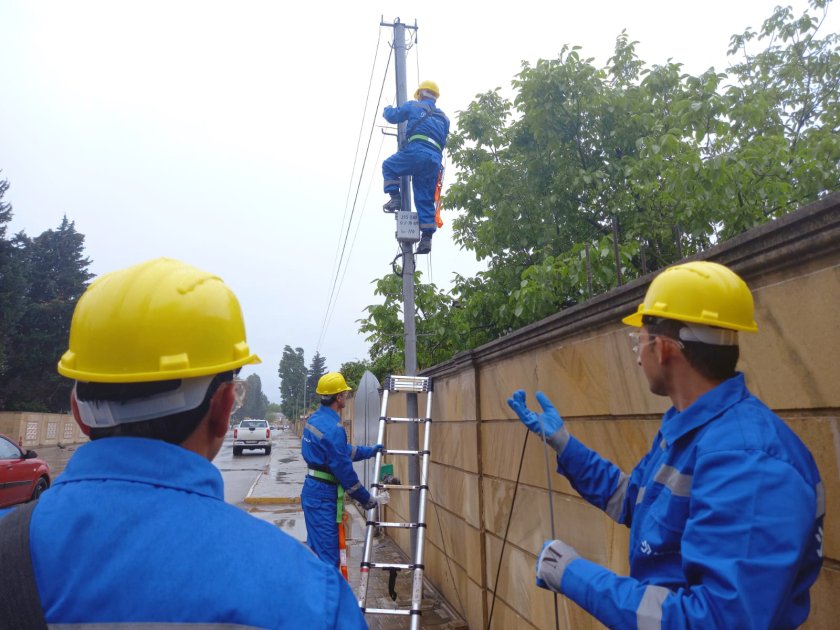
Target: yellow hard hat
(332,383)
(699,292)
(431,86)
(155,321)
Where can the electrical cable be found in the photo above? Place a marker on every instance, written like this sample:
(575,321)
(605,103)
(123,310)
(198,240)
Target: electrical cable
(358,144)
(507,529)
(333,294)
(550,508)
(510,515)
(355,234)
(445,552)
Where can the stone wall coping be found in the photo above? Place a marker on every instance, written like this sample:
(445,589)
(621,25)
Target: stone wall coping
(809,233)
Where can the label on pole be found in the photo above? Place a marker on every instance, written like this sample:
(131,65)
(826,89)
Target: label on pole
(408,227)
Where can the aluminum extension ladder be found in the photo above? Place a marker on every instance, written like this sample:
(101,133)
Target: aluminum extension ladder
(416,385)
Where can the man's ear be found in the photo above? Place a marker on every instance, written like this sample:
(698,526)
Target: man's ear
(77,416)
(221,405)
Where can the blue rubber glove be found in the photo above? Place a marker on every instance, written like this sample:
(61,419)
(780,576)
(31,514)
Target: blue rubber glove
(376,448)
(554,557)
(549,423)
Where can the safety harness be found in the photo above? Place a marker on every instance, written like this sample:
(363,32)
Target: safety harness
(20,605)
(324,476)
(428,110)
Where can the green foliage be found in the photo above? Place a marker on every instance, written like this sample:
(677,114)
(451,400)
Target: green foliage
(317,368)
(593,176)
(255,404)
(46,276)
(292,372)
(353,372)
(436,338)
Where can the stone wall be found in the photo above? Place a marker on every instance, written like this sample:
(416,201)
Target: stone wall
(581,357)
(32,429)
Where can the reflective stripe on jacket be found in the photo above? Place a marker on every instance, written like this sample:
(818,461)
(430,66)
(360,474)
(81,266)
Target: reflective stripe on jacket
(725,515)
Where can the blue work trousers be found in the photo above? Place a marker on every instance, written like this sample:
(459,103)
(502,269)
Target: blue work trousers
(319,502)
(422,162)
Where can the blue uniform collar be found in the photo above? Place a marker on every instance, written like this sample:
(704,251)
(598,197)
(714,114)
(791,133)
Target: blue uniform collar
(328,411)
(142,460)
(710,405)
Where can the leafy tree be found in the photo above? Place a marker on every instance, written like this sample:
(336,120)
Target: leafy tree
(56,273)
(255,404)
(274,409)
(317,368)
(292,372)
(437,339)
(353,372)
(592,176)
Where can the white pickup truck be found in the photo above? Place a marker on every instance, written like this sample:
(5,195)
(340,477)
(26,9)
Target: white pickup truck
(251,434)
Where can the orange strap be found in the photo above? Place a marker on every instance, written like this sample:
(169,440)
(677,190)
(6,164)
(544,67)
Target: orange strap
(438,187)
(342,551)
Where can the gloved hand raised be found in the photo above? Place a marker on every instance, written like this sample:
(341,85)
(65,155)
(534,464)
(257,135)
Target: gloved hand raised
(376,448)
(549,421)
(552,562)
(380,499)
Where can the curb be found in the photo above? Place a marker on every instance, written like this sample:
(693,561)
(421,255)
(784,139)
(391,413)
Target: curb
(252,500)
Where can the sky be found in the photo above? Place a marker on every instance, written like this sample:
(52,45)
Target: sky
(231,135)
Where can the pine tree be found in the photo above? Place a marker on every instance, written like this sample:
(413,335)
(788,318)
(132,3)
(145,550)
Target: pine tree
(56,274)
(317,368)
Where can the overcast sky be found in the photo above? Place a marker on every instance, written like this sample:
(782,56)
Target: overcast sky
(224,133)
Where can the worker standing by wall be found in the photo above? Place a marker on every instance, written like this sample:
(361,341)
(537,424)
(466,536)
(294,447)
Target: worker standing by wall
(135,531)
(726,510)
(330,459)
(427,128)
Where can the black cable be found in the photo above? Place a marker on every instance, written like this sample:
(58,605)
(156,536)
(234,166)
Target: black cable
(353,211)
(446,553)
(507,528)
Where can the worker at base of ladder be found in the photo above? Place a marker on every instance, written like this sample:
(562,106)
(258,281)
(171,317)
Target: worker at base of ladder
(330,459)
(427,128)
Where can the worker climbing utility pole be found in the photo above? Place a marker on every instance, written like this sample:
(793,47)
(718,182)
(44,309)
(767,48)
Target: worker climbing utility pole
(408,233)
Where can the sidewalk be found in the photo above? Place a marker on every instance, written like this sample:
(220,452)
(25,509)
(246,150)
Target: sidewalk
(280,485)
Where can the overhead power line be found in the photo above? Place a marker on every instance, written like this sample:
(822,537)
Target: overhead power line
(337,273)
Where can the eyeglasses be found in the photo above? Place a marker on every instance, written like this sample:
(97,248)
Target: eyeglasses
(637,344)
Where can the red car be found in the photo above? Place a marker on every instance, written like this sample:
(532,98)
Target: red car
(23,477)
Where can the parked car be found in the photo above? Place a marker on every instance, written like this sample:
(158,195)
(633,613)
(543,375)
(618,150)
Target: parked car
(252,434)
(23,477)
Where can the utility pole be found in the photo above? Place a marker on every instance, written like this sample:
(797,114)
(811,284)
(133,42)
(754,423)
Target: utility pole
(408,233)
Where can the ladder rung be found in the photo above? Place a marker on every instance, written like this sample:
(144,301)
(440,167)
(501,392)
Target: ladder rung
(391,565)
(390,451)
(387,524)
(387,611)
(396,419)
(394,486)
(408,384)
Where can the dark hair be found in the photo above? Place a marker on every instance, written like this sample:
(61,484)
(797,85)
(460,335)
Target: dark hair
(714,362)
(174,428)
(328,400)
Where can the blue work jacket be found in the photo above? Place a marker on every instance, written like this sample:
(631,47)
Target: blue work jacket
(324,447)
(422,118)
(725,515)
(137,530)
